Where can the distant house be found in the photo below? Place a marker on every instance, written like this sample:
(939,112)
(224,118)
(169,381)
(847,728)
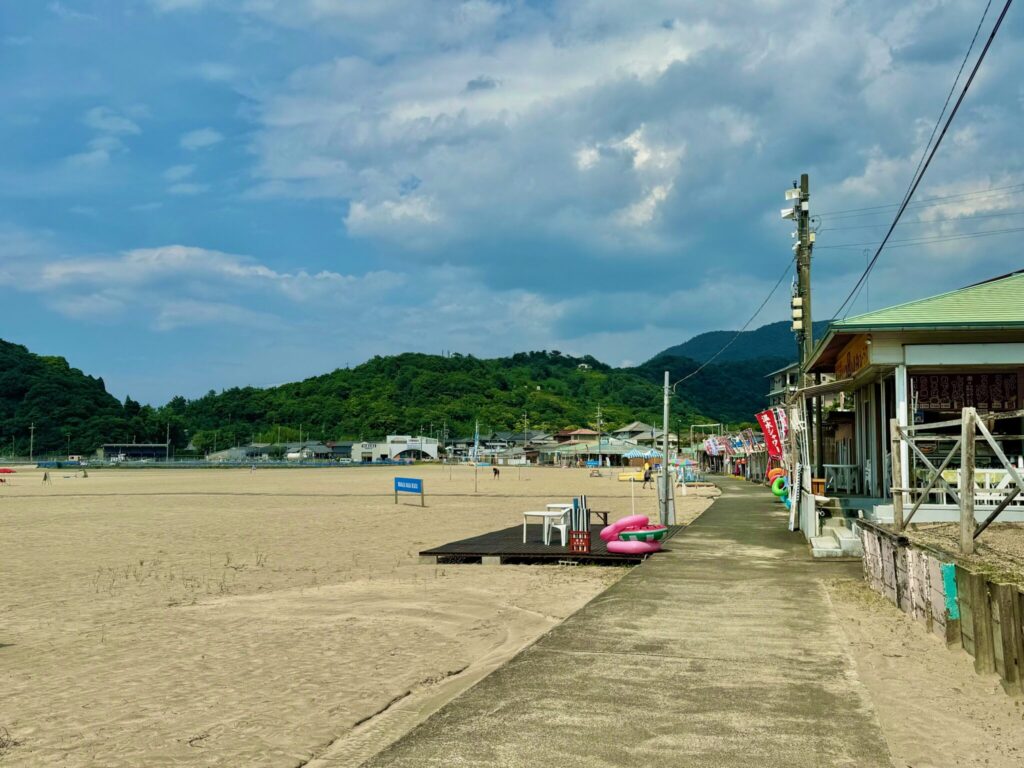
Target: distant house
(307,451)
(133,451)
(340,449)
(786,381)
(567,435)
(634,430)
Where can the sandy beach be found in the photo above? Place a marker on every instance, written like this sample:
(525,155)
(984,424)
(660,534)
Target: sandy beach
(273,618)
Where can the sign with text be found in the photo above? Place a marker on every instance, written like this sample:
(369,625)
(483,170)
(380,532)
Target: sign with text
(772,438)
(954,391)
(409,485)
(853,358)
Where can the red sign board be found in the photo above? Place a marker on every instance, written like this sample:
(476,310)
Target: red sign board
(772,440)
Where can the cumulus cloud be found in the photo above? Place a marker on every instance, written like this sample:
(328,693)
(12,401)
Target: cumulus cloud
(182,285)
(179,172)
(107,120)
(200,139)
(187,188)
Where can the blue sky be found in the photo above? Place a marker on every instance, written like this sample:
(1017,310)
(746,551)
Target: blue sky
(197,194)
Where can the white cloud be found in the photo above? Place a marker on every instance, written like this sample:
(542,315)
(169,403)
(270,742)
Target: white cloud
(643,211)
(187,188)
(168,6)
(179,172)
(107,120)
(68,13)
(200,139)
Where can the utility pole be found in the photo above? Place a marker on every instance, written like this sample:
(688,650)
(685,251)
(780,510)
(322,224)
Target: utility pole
(600,454)
(32,442)
(666,507)
(167,446)
(803,319)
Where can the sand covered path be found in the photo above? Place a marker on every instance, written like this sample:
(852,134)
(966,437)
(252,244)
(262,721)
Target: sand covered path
(724,652)
(226,618)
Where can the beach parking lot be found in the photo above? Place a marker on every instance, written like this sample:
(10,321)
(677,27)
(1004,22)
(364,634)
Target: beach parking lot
(227,617)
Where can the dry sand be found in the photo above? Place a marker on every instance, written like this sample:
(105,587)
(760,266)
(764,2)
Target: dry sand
(998,551)
(226,618)
(934,710)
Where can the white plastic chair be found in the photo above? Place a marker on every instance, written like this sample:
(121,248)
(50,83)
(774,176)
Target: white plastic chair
(562,526)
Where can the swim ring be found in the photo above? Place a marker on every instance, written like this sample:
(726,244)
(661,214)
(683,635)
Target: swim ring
(779,486)
(611,532)
(634,547)
(643,533)
(774,473)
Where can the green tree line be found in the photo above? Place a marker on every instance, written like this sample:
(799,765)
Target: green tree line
(408,393)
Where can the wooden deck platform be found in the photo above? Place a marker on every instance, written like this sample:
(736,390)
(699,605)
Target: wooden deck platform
(506,546)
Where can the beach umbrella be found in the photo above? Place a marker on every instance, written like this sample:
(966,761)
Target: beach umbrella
(652,454)
(636,453)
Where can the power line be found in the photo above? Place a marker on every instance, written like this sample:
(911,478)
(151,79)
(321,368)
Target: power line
(931,155)
(746,325)
(927,239)
(949,95)
(924,221)
(926,202)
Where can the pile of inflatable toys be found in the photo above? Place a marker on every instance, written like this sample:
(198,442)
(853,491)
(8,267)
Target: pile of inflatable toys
(780,485)
(633,535)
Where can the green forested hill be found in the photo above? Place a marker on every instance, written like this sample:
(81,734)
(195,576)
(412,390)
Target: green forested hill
(405,393)
(774,340)
(60,401)
(410,392)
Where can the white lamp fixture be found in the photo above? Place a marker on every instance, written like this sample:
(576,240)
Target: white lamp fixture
(788,213)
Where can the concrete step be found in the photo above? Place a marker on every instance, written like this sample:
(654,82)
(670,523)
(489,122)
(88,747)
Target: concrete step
(825,546)
(849,542)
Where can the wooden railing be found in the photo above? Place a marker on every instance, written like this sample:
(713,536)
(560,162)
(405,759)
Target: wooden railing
(972,429)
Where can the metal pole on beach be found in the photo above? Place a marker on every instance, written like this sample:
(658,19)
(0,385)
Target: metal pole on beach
(667,508)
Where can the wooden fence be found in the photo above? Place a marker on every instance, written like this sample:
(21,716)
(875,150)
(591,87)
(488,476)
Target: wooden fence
(962,607)
(972,430)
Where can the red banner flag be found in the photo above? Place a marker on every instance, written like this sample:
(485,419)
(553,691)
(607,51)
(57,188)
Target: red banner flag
(772,439)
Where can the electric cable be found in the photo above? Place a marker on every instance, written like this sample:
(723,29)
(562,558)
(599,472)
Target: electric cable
(931,155)
(746,325)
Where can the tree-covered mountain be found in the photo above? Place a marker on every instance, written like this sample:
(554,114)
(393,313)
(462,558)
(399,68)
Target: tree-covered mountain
(68,408)
(408,393)
(732,392)
(775,340)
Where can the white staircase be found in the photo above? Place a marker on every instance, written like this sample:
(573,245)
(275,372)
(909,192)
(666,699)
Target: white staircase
(838,539)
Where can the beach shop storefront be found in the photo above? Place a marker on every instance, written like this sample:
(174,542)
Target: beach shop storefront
(921,363)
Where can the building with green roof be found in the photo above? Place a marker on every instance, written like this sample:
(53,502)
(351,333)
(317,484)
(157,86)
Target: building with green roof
(922,362)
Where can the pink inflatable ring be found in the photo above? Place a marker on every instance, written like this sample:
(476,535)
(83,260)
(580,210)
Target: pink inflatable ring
(643,533)
(611,532)
(633,547)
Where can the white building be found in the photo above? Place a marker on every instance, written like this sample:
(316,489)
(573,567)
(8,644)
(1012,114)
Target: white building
(396,447)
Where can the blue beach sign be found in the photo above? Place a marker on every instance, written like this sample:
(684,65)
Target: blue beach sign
(409,485)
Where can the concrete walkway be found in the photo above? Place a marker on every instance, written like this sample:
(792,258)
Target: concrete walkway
(723,652)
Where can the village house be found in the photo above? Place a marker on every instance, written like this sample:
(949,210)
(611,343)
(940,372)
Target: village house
(921,363)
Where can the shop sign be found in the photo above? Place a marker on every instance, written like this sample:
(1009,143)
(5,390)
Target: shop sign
(955,391)
(854,357)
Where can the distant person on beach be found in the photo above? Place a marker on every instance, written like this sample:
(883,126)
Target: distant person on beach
(496,471)
(647,477)
(46,479)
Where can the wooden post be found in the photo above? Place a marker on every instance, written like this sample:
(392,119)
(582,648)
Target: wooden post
(1007,598)
(897,475)
(967,482)
(984,653)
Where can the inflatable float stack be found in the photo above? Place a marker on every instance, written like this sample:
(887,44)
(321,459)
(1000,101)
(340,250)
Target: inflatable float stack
(780,485)
(633,535)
